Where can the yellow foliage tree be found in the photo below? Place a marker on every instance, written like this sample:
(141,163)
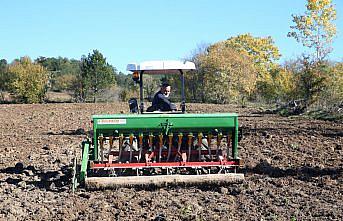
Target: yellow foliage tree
(262,50)
(29,80)
(65,82)
(315,29)
(283,84)
(228,74)
(264,54)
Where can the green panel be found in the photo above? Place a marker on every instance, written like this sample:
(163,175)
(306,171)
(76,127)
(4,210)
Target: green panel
(84,164)
(156,122)
(227,123)
(235,141)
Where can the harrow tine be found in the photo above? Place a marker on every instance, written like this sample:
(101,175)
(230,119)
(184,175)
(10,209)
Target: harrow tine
(160,144)
(170,136)
(101,141)
(190,139)
(200,135)
(140,137)
(121,140)
(110,157)
(209,140)
(179,143)
(151,137)
(228,140)
(219,140)
(148,154)
(131,146)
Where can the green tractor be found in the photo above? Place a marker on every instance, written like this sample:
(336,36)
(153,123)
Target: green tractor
(160,148)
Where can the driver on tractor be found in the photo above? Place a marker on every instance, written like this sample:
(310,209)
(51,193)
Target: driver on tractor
(161,100)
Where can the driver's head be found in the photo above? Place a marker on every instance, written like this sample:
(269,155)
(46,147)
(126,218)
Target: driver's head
(165,89)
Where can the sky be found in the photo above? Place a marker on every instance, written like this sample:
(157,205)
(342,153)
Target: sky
(129,31)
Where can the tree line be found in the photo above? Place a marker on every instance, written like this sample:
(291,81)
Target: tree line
(246,68)
(30,80)
(240,69)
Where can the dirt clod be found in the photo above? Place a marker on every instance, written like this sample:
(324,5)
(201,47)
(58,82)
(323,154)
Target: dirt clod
(224,190)
(19,167)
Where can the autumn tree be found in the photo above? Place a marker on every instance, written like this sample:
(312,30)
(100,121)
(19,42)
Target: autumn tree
(264,54)
(261,49)
(194,79)
(229,75)
(315,29)
(282,85)
(28,80)
(3,77)
(63,72)
(96,75)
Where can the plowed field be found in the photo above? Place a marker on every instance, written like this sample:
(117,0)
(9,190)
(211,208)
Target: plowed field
(293,169)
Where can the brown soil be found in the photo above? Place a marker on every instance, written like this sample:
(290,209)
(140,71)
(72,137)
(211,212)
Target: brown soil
(293,169)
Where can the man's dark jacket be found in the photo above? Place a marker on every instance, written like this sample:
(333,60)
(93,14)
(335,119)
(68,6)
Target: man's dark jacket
(162,103)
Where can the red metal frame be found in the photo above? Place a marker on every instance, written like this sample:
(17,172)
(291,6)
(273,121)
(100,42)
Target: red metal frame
(163,164)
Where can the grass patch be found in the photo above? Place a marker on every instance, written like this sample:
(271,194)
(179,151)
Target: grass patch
(325,115)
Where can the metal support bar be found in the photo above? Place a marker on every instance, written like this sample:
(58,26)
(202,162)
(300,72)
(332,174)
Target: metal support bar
(228,143)
(101,144)
(111,139)
(83,173)
(235,140)
(141,106)
(183,98)
(223,163)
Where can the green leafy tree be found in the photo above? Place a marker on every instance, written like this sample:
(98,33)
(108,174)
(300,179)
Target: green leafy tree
(194,79)
(96,74)
(311,79)
(28,80)
(123,80)
(151,84)
(315,29)
(3,65)
(3,75)
(332,95)
(63,72)
(128,88)
(4,80)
